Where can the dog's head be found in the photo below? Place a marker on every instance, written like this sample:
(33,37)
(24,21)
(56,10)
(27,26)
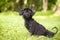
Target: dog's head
(26,12)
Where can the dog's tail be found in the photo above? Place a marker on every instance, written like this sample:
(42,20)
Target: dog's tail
(56,29)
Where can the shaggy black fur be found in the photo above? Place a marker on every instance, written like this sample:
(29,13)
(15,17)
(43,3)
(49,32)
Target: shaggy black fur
(32,26)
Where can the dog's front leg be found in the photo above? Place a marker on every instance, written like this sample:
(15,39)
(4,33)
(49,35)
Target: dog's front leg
(31,31)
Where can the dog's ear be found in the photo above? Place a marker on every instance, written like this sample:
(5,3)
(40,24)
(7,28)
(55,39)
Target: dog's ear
(33,12)
(21,12)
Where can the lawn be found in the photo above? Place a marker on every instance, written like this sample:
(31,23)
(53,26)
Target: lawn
(12,26)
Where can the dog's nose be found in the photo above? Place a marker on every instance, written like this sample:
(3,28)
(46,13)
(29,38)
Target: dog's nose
(27,15)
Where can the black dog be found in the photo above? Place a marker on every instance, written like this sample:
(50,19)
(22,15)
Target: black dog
(32,26)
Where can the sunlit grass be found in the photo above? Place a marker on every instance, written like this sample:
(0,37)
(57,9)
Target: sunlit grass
(42,13)
(12,27)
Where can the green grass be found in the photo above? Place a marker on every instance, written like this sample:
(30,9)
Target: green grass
(42,13)
(12,26)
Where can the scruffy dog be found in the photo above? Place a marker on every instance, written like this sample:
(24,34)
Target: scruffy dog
(32,26)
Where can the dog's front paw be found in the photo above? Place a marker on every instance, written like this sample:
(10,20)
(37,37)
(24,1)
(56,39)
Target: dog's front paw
(31,34)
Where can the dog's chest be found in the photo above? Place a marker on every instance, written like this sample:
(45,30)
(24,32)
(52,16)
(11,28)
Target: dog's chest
(28,24)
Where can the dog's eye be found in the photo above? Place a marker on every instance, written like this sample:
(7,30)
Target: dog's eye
(29,11)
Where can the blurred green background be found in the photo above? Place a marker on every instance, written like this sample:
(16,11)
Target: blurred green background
(12,24)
